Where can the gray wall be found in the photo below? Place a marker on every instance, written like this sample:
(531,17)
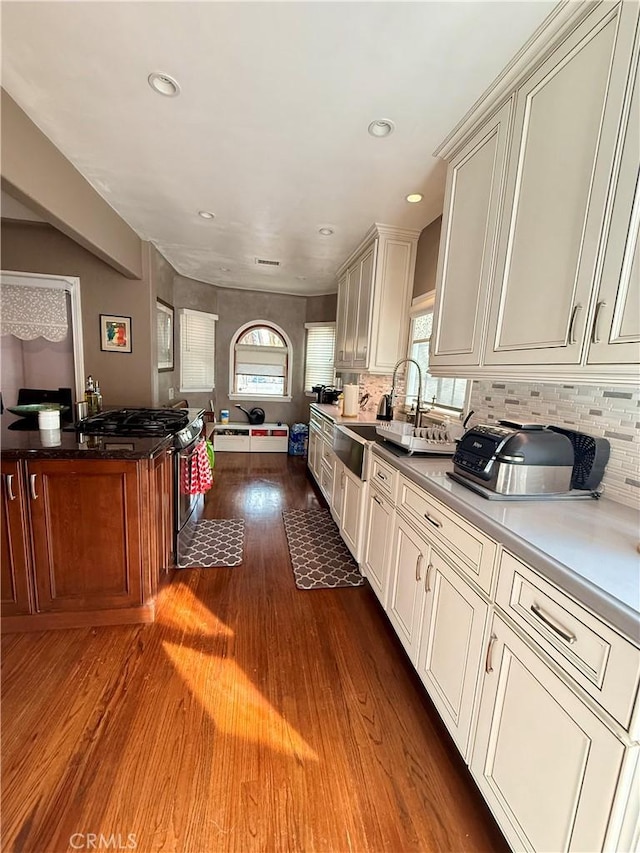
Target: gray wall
(322,309)
(427,259)
(125,378)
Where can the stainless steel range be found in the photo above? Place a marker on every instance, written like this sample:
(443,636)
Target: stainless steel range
(186,426)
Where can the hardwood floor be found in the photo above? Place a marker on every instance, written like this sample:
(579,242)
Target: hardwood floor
(250,717)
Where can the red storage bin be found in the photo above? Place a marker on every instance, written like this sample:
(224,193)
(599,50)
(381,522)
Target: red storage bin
(259,432)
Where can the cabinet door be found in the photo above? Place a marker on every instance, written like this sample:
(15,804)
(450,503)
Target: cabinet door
(376,544)
(451,647)
(337,492)
(351,522)
(87,537)
(567,117)
(163,512)
(546,765)
(363,313)
(341,322)
(410,554)
(14,557)
(475,183)
(353,293)
(313,459)
(615,333)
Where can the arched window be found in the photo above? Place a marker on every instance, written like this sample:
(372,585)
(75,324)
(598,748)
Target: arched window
(259,363)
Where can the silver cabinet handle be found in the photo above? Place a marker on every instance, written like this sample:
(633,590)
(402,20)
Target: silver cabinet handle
(377,500)
(341,354)
(488,666)
(418,564)
(8,481)
(427,585)
(432,520)
(567,636)
(380,476)
(572,325)
(342,479)
(32,486)
(595,331)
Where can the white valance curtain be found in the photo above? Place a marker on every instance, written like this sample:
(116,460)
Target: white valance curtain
(33,312)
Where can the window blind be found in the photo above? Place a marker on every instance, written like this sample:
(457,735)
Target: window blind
(321,342)
(197,350)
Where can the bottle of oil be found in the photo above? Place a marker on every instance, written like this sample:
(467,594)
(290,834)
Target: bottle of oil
(90,396)
(97,392)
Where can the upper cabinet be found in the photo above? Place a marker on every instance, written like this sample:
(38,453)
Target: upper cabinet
(374,295)
(538,269)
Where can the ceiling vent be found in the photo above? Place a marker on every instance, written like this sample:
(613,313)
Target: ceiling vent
(265,263)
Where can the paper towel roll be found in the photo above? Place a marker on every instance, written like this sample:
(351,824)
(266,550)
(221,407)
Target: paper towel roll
(350,406)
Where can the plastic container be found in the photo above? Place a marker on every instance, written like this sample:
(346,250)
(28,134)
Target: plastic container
(49,419)
(298,437)
(224,416)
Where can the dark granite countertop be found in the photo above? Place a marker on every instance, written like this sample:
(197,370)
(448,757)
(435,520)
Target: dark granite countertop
(31,443)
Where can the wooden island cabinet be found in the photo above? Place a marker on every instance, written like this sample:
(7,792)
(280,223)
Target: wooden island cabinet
(86,539)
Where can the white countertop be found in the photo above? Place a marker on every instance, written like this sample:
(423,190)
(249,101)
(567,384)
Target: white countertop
(587,547)
(332,412)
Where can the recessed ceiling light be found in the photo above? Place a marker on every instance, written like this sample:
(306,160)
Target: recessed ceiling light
(414,198)
(381,127)
(206,214)
(163,84)
(325,231)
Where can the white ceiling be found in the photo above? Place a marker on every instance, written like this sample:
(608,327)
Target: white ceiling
(270,129)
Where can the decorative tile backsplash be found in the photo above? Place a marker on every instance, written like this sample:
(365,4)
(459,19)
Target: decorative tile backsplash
(610,413)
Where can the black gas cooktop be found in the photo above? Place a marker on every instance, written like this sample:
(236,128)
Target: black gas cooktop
(134,422)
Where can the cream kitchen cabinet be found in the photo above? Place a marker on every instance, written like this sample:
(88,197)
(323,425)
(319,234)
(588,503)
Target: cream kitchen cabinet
(475,183)
(337,492)
(376,545)
(314,451)
(351,517)
(451,648)
(545,763)
(407,596)
(374,294)
(563,292)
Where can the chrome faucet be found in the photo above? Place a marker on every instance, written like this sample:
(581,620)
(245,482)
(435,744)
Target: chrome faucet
(393,385)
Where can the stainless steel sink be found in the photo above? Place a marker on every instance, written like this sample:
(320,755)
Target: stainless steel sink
(366,431)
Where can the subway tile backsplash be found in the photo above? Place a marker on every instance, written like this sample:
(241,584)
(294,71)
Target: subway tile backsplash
(598,411)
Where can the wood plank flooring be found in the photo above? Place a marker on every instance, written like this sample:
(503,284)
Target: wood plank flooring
(250,717)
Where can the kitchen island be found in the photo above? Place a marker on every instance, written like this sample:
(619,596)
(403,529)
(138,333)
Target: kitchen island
(87,527)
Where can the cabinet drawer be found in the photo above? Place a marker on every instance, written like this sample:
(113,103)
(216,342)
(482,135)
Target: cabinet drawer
(327,453)
(473,552)
(385,478)
(239,443)
(326,480)
(328,428)
(268,444)
(595,656)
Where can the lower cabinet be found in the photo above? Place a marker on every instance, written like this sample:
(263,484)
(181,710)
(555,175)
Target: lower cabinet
(313,452)
(352,512)
(15,559)
(337,492)
(407,590)
(84,541)
(546,765)
(451,648)
(376,543)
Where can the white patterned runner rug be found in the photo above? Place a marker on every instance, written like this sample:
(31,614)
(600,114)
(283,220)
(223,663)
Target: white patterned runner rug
(319,557)
(216,542)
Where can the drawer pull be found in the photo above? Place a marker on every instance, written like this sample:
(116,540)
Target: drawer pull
(377,500)
(418,564)
(488,665)
(380,476)
(432,520)
(427,585)
(32,485)
(562,632)
(8,479)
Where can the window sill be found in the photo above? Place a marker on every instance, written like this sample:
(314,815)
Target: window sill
(264,399)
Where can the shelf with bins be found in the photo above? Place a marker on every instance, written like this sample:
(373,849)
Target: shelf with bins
(249,438)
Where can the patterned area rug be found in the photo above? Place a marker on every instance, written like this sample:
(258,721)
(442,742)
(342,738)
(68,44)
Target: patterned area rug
(319,557)
(216,542)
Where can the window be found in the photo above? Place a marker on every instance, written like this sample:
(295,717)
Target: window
(321,343)
(259,363)
(446,393)
(197,350)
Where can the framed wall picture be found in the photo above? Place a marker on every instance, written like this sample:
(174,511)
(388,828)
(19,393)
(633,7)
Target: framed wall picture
(115,333)
(164,317)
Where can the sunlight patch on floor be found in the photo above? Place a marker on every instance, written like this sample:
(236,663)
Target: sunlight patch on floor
(233,702)
(187,613)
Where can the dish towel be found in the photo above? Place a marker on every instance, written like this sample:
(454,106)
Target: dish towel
(195,476)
